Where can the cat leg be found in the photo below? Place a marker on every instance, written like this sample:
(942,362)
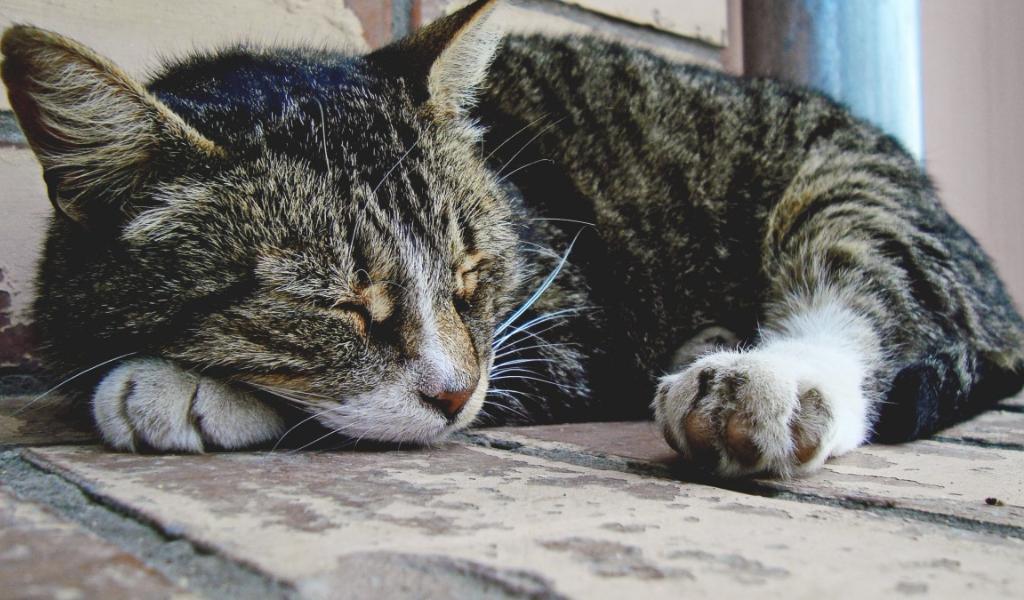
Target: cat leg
(152,403)
(783,407)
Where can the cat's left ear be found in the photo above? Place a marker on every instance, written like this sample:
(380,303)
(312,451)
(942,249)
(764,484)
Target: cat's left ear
(98,134)
(448,59)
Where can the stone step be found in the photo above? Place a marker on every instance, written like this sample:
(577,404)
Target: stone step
(45,556)
(42,420)
(480,520)
(995,428)
(948,481)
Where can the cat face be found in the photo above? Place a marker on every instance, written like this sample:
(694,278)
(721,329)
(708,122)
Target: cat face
(370,296)
(337,241)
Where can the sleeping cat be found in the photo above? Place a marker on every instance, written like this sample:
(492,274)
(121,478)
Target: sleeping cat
(453,230)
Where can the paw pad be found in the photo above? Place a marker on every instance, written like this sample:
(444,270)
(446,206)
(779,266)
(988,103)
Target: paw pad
(740,413)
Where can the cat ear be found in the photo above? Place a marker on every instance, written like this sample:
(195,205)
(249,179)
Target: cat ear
(97,133)
(449,57)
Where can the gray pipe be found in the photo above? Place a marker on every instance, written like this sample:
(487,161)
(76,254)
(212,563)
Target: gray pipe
(864,53)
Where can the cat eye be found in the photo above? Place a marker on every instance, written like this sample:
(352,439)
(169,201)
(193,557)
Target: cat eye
(467,279)
(359,314)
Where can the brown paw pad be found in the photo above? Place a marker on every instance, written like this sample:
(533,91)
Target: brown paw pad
(739,440)
(809,425)
(700,437)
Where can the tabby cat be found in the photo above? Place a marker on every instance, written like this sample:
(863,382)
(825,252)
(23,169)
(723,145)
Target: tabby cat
(454,230)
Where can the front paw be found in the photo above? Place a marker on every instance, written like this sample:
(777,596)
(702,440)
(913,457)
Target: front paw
(740,413)
(153,404)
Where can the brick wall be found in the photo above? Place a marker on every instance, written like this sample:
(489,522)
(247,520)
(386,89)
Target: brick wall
(134,33)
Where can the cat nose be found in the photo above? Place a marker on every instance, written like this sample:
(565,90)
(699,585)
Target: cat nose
(450,402)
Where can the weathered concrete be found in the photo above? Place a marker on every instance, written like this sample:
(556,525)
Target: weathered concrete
(42,419)
(946,480)
(997,428)
(553,527)
(43,556)
(177,559)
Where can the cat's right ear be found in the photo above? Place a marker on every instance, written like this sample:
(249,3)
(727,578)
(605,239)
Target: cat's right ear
(446,61)
(97,133)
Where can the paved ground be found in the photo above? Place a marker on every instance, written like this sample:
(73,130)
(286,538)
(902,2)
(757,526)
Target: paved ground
(581,511)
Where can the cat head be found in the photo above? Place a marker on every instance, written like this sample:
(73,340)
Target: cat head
(321,227)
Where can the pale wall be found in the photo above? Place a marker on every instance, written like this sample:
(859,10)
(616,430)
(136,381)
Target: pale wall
(973,54)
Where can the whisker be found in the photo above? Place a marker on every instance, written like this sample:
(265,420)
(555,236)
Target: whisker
(524,328)
(513,136)
(563,387)
(70,379)
(323,135)
(526,336)
(314,442)
(508,350)
(501,374)
(303,422)
(292,391)
(527,144)
(577,221)
(283,396)
(529,164)
(522,361)
(514,393)
(395,166)
(543,287)
(509,408)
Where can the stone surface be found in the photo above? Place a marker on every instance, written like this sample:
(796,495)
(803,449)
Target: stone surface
(42,420)
(1015,403)
(996,428)
(942,479)
(43,556)
(508,522)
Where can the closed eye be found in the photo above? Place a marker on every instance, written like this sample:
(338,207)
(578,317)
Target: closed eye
(467,277)
(357,313)
(353,307)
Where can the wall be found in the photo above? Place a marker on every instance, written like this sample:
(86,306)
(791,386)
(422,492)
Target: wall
(973,63)
(135,33)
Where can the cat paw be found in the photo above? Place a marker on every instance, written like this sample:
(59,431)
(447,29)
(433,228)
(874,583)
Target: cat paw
(153,404)
(740,413)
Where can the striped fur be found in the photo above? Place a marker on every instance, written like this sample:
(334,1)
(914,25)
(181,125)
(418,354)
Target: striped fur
(358,235)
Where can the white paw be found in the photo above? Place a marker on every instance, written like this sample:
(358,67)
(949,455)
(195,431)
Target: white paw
(781,410)
(151,403)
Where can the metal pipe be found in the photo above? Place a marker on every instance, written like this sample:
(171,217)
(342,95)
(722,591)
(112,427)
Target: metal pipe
(864,53)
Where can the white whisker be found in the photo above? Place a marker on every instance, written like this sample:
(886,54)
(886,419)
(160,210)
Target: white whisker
(529,164)
(395,166)
(540,290)
(70,379)
(302,422)
(539,320)
(527,144)
(522,361)
(557,219)
(513,136)
(323,136)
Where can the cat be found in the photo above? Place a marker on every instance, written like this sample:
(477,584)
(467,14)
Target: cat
(464,227)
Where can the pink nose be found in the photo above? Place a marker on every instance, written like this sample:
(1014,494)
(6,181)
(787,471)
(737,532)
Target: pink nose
(450,402)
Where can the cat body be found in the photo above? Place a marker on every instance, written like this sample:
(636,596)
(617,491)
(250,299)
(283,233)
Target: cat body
(448,231)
